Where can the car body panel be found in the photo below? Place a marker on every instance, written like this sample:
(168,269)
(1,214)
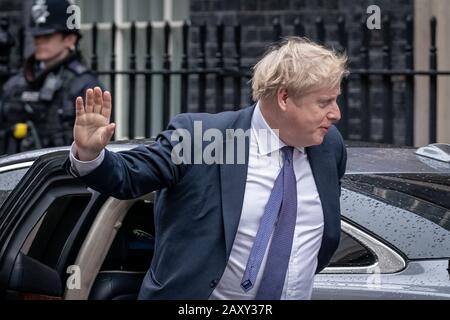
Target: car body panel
(419,280)
(411,234)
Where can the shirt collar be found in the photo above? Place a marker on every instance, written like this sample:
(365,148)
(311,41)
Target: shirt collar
(266,139)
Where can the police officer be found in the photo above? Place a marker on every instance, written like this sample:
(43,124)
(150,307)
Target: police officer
(37,106)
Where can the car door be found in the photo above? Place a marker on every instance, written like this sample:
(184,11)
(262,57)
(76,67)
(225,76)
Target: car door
(43,223)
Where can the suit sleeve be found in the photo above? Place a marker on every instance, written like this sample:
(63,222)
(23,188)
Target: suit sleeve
(131,174)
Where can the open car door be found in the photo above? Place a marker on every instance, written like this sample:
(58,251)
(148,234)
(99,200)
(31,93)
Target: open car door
(43,224)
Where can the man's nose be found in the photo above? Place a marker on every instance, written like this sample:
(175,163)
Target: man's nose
(335,114)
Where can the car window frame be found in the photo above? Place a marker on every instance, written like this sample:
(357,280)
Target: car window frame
(387,260)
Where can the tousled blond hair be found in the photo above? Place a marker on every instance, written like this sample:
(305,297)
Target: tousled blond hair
(298,65)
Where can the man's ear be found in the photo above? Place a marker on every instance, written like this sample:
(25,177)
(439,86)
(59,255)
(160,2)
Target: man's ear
(282,96)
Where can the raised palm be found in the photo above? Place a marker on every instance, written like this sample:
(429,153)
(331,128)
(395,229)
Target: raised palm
(93,130)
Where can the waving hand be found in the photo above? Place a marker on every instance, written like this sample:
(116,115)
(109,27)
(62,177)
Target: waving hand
(93,130)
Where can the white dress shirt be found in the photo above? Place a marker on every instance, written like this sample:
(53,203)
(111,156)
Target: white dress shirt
(265,162)
(84,167)
(264,165)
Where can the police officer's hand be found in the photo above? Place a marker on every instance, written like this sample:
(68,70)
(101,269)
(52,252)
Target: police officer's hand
(92,130)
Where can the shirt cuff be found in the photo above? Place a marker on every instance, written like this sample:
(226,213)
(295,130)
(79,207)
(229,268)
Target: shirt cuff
(82,168)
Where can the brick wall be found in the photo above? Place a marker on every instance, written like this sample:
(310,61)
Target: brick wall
(256,17)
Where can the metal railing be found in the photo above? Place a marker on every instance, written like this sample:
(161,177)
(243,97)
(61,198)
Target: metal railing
(219,68)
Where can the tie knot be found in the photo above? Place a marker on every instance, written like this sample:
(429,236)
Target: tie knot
(288,153)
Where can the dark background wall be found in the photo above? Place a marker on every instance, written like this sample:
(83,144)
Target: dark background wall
(256,17)
(12,10)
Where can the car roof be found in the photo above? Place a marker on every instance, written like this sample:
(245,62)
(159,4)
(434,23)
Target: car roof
(363,160)
(34,154)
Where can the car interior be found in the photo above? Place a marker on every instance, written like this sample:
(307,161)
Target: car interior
(115,265)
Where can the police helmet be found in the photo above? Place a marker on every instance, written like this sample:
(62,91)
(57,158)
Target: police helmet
(51,16)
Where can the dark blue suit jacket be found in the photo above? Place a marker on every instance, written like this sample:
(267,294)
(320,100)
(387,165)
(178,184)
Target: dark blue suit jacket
(199,206)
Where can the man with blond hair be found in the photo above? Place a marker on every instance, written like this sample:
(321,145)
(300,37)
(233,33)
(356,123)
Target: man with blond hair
(255,230)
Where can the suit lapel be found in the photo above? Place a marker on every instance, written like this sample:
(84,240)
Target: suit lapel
(233,178)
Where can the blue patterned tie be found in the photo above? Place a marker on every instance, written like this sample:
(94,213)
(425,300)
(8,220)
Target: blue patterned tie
(279,216)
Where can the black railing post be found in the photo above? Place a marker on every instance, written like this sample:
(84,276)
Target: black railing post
(409,85)
(364,81)
(237,82)
(299,29)
(184,69)
(6,43)
(132,83)
(219,66)
(277,30)
(433,83)
(388,114)
(320,29)
(94,58)
(201,70)
(148,81)
(112,78)
(166,76)
(343,99)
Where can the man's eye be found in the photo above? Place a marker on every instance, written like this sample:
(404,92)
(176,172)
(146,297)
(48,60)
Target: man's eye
(326,103)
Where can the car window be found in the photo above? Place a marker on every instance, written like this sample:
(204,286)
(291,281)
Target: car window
(423,194)
(49,235)
(8,181)
(351,253)
(415,228)
(50,238)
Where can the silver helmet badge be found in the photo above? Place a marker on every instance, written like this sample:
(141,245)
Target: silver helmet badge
(39,12)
